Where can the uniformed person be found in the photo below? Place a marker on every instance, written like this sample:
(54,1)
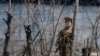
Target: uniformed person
(64,40)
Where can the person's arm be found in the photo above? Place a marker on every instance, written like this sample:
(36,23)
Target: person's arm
(58,40)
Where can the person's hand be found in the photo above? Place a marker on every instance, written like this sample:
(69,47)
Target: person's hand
(66,34)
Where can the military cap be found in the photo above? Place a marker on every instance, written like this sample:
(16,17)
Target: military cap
(68,18)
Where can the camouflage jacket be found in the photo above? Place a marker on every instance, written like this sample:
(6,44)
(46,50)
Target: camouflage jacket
(64,36)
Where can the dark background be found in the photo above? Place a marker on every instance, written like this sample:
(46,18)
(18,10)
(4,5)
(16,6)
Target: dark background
(69,2)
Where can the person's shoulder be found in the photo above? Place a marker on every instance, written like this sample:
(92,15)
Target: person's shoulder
(62,30)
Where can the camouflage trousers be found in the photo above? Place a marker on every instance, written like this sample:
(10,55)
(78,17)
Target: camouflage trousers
(65,50)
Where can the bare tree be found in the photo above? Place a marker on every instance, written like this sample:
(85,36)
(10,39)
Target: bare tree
(28,37)
(7,34)
(95,33)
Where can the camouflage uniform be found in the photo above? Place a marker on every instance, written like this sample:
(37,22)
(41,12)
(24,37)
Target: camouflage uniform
(64,41)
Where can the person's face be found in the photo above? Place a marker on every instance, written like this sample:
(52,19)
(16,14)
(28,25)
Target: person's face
(68,23)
